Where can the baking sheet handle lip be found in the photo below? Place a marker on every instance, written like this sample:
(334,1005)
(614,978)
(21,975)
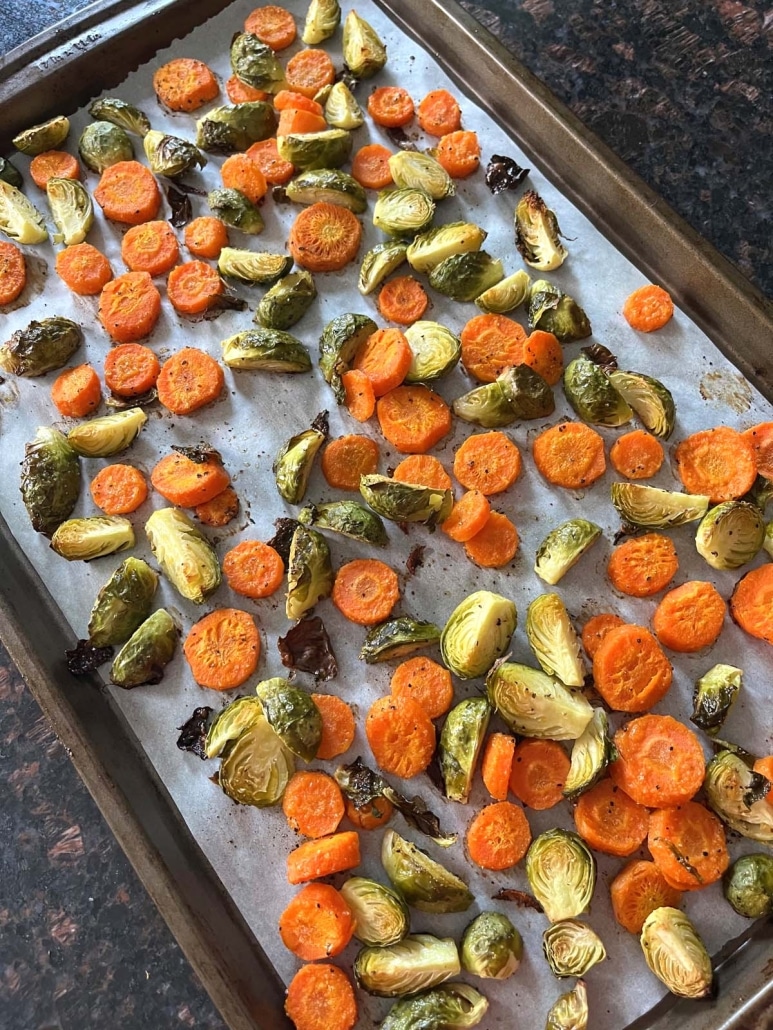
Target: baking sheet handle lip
(135,804)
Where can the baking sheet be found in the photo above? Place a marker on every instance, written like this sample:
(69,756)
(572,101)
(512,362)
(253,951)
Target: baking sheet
(249,429)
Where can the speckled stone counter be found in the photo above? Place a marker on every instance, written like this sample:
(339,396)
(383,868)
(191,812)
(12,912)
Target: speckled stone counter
(681,91)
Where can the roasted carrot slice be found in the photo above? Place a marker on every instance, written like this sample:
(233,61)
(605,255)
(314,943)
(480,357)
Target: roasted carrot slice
(488,462)
(643,565)
(273,26)
(189,380)
(317,923)
(390,106)
(295,122)
(570,455)
(439,113)
(317,858)
(385,357)
(596,629)
(719,462)
(764,766)
(128,193)
(490,344)
(637,891)
(636,455)
(223,649)
(371,816)
(609,821)
(286,100)
(425,682)
(275,169)
(347,458)
(313,803)
(83,269)
(53,164)
(423,470)
(193,287)
(401,736)
(403,300)
(309,71)
(187,482)
(77,392)
(494,545)
(370,167)
(413,418)
(219,510)
(459,153)
(468,516)
(253,569)
(239,92)
(129,307)
(497,764)
(630,670)
(365,591)
(761,439)
(184,84)
(321,997)
(360,399)
(688,845)
(751,605)
(206,236)
(690,617)
(151,247)
(648,308)
(499,836)
(337,725)
(538,773)
(242,172)
(660,761)
(324,237)
(119,489)
(543,353)
(131,370)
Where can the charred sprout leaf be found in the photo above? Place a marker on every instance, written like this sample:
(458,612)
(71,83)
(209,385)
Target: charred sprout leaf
(465,276)
(180,203)
(403,212)
(652,508)
(231,722)
(341,338)
(256,767)
(649,398)
(730,534)
(341,108)
(347,518)
(554,640)
(406,502)
(521,898)
(292,715)
(10,174)
(477,633)
(233,208)
(593,396)
(401,140)
(415,559)
(425,884)
(306,646)
(713,697)
(148,651)
(170,155)
(364,53)
(103,144)
(446,1007)
(308,150)
(534,704)
(50,479)
(282,539)
(287,301)
(431,248)
(491,947)
(226,129)
(85,539)
(309,572)
(572,948)
(381,917)
(396,638)
(487,406)
(380,262)
(107,435)
(739,796)
(120,113)
(570,1012)
(329,185)
(415,963)
(562,873)
(123,603)
(186,557)
(421,171)
(563,547)
(600,355)
(527,393)
(46,136)
(507,295)
(591,753)
(255,63)
(85,658)
(294,462)
(503,173)
(71,209)
(322,19)
(676,954)
(748,886)
(460,744)
(252,266)
(537,234)
(19,219)
(41,347)
(193,732)
(265,350)
(554,311)
(435,349)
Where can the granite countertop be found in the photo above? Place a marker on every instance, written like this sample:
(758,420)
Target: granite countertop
(680,89)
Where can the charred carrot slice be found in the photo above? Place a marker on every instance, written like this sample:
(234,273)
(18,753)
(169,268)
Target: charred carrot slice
(184,84)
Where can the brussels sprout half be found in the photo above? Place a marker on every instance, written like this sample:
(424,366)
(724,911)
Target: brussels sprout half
(572,948)
(364,52)
(46,136)
(330,185)
(739,796)
(446,1007)
(593,396)
(380,262)
(403,211)
(233,208)
(415,963)
(591,753)
(322,19)
(170,155)
(286,302)
(309,572)
(381,917)
(527,393)
(292,466)
(292,715)
(431,248)
(465,276)
(410,168)
(554,640)
(226,129)
(120,113)
(85,539)
(406,502)
(10,174)
(713,697)
(309,150)
(252,266)
(341,339)
(507,295)
(148,651)
(107,435)
(562,873)
(730,534)
(255,63)
(41,347)
(767,542)
(265,350)
(231,722)
(487,406)
(425,884)
(103,144)
(537,234)
(50,479)
(123,603)
(435,349)
(570,1011)
(649,398)
(256,767)
(396,638)
(71,209)
(563,547)
(554,311)
(460,743)
(347,518)
(676,954)
(477,633)
(19,219)
(491,947)
(341,108)
(650,507)
(534,704)
(186,557)
(748,886)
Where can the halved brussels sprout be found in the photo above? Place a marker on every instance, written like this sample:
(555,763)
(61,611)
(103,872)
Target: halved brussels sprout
(41,347)
(10,173)
(380,262)
(50,479)
(309,572)
(593,396)
(436,351)
(71,209)
(767,542)
(425,884)
(347,518)
(186,557)
(507,295)
(563,547)
(103,144)
(421,171)
(591,753)
(446,1007)
(460,744)
(364,53)
(730,534)
(236,210)
(255,63)
(739,796)
(570,1012)
(650,507)
(46,136)
(562,873)
(120,113)
(292,715)
(748,886)
(330,185)
(226,129)
(108,434)
(554,640)
(413,964)
(487,406)
(256,767)
(94,537)
(170,155)
(433,247)
(396,638)
(19,219)
(123,603)
(341,338)
(534,704)
(572,948)
(478,632)
(231,722)
(341,109)
(252,266)
(713,697)
(403,212)
(676,954)
(265,350)
(381,917)
(491,947)
(406,502)
(148,651)
(554,311)
(537,234)
(527,393)
(649,398)
(328,149)
(322,19)
(292,466)
(465,276)
(287,301)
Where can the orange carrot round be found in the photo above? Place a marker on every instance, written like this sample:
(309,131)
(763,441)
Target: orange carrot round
(185,482)
(337,725)
(223,649)
(128,193)
(468,516)
(253,569)
(423,470)
(609,821)
(53,164)
(688,845)
(637,890)
(287,100)
(596,629)
(403,300)
(239,92)
(192,288)
(497,764)
(494,545)
(309,71)
(324,237)
(206,236)
(542,352)
(241,172)
(426,682)
(219,510)
(314,859)
(372,816)
(689,617)
(273,26)
(648,308)
(313,803)
(370,167)
(413,418)
(347,458)
(751,605)
(439,113)
(719,462)
(360,399)
(401,736)
(761,439)
(129,306)
(499,836)
(390,106)
(76,392)
(636,455)
(13,272)
(119,489)
(317,923)
(570,455)
(643,565)
(131,370)
(488,462)
(365,591)
(385,357)
(266,156)
(189,380)
(151,247)
(630,670)
(295,122)
(490,344)
(538,773)
(660,761)
(321,997)
(459,153)
(184,84)
(83,269)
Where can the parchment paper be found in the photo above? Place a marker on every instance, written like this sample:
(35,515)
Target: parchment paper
(258,412)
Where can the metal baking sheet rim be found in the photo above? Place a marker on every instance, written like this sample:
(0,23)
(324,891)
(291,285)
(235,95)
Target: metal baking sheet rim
(225,954)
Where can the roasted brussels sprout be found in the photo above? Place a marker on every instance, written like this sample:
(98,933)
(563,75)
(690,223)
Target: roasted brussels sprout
(233,208)
(572,948)
(341,338)
(730,534)
(292,715)
(256,766)
(486,406)
(322,19)
(425,884)
(381,916)
(347,518)
(507,295)
(107,435)
(739,796)
(396,638)
(527,393)
(676,954)
(562,873)
(436,351)
(649,398)
(255,63)
(46,136)
(591,753)
(478,632)
(466,276)
(286,302)
(330,185)
(186,557)
(170,155)
(231,722)
(413,964)
(19,219)
(403,212)
(460,744)
(341,108)
(125,116)
(563,547)
(148,651)
(593,396)
(103,144)
(71,209)
(10,174)
(94,537)
(491,947)
(309,572)
(554,640)
(364,53)
(380,262)
(534,704)
(292,466)
(570,1012)
(446,1007)
(433,247)
(651,508)
(537,234)
(713,697)
(123,603)
(554,311)
(748,886)
(226,129)
(41,347)
(265,350)
(50,479)
(410,168)
(252,266)
(308,150)
(406,502)
(767,543)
